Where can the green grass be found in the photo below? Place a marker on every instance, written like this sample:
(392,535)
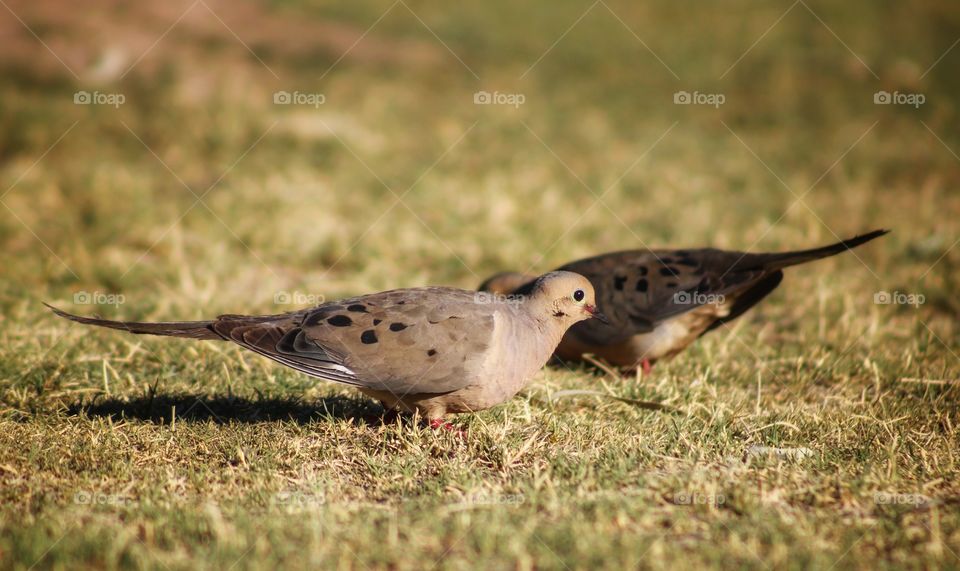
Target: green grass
(128,452)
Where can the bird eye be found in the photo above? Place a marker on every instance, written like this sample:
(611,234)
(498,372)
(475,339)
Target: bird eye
(578,295)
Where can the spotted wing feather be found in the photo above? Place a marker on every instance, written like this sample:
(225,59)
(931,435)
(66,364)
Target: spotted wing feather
(404,341)
(640,289)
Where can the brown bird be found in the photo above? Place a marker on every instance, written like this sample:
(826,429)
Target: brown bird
(658,302)
(429,350)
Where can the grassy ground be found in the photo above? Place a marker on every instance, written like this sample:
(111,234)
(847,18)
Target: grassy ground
(800,439)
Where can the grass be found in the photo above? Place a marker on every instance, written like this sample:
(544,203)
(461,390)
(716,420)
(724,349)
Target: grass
(800,440)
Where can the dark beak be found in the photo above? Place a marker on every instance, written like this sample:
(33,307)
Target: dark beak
(595,313)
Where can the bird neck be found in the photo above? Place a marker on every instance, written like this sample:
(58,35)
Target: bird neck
(548,330)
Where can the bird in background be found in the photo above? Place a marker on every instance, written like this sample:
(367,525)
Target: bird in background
(430,351)
(658,302)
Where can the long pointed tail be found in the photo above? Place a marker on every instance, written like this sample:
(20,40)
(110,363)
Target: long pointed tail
(784,259)
(189,329)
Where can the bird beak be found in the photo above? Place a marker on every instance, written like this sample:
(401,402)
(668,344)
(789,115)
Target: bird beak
(595,313)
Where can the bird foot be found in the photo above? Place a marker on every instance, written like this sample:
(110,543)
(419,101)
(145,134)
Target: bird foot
(440,424)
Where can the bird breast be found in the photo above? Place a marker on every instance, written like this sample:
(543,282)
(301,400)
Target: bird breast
(519,348)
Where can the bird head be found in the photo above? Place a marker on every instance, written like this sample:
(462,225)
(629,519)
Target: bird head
(566,297)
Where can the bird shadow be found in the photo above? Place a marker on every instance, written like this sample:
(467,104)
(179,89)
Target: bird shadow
(163,408)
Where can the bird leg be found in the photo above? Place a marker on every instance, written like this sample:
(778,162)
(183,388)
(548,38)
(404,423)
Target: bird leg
(646,366)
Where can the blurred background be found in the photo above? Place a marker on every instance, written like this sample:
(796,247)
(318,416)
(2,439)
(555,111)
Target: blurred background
(198,156)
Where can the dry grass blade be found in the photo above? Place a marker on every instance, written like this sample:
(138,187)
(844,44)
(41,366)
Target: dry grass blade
(950,382)
(649,405)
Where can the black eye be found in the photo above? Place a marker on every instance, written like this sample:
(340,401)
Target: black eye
(578,295)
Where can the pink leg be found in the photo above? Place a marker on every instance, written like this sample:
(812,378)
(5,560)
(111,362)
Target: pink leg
(646,366)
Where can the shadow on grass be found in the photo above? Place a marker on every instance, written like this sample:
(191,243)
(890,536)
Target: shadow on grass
(225,409)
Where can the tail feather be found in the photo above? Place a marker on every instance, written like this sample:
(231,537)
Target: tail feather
(785,259)
(188,329)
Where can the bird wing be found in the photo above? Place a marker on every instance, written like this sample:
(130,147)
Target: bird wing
(637,290)
(414,341)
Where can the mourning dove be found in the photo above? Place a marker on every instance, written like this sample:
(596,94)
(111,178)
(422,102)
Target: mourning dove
(431,350)
(660,301)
